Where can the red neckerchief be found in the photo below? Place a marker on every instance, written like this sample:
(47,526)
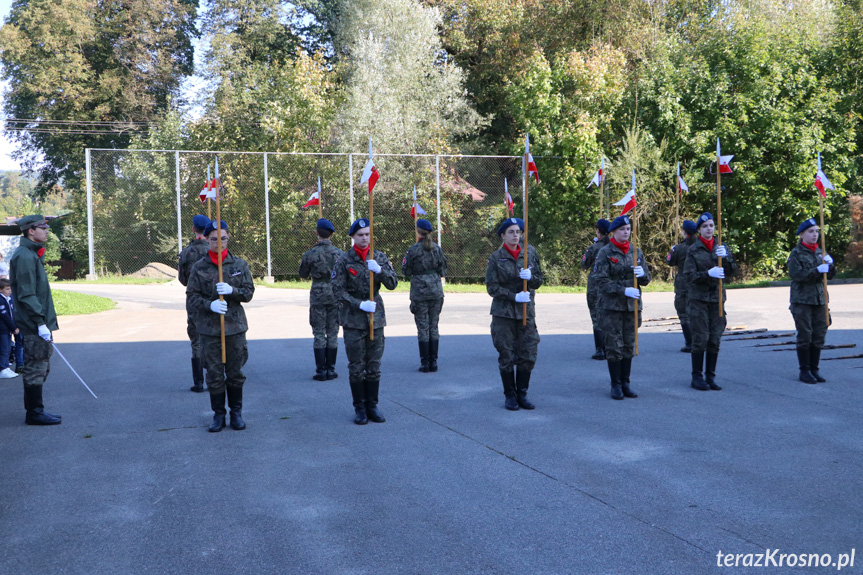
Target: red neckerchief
(362,253)
(708,245)
(812,247)
(624,247)
(514,253)
(41,252)
(212,255)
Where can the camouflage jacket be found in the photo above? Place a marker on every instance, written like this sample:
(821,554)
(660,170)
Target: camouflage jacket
(613,274)
(424,269)
(189,256)
(351,287)
(807,284)
(589,258)
(201,291)
(700,286)
(31,293)
(502,282)
(318,263)
(677,258)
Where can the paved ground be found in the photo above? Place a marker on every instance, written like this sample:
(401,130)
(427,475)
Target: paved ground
(132,482)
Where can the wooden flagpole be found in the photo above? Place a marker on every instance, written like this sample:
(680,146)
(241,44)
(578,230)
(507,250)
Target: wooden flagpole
(635,259)
(524,254)
(209,201)
(415,211)
(719,216)
(371,253)
(823,246)
(602,188)
(219,255)
(320,200)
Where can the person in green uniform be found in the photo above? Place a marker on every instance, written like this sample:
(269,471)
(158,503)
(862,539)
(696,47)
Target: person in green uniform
(203,291)
(424,265)
(318,263)
(35,315)
(196,250)
(615,267)
(677,258)
(351,287)
(587,260)
(516,344)
(808,300)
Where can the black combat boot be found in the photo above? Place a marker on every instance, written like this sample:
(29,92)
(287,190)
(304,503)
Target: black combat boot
(197,375)
(235,402)
(507,376)
(710,370)
(433,347)
(697,367)
(332,354)
(217,402)
(615,371)
(372,411)
(814,360)
(687,337)
(626,369)
(803,359)
(358,391)
(35,410)
(522,382)
(320,364)
(597,342)
(424,356)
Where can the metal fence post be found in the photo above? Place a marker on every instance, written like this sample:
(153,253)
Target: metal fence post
(351,184)
(179,201)
(92,274)
(437,178)
(269,279)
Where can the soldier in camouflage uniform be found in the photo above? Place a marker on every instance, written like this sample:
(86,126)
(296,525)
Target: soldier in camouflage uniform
(516,344)
(203,291)
(615,270)
(318,263)
(806,268)
(34,314)
(592,296)
(424,265)
(351,287)
(196,250)
(677,258)
(702,274)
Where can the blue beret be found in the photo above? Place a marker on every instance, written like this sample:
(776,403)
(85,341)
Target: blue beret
(200,222)
(211,227)
(509,222)
(424,225)
(619,222)
(703,218)
(325,224)
(689,227)
(602,225)
(806,225)
(358,225)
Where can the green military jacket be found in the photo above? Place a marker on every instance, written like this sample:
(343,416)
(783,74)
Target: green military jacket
(424,269)
(318,263)
(201,291)
(31,294)
(677,258)
(502,282)
(807,285)
(613,274)
(702,287)
(351,287)
(589,258)
(196,249)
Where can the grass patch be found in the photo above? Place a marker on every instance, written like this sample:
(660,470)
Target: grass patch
(72,303)
(117,279)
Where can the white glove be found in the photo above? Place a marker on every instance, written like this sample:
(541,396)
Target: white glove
(638,271)
(721,251)
(525,274)
(218,306)
(522,297)
(823,268)
(373,266)
(224,289)
(368,305)
(716,272)
(44,332)
(632,292)
(828,259)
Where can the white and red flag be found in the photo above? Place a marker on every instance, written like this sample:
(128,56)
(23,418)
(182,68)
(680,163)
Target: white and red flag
(681,185)
(416,209)
(628,202)
(209,189)
(531,165)
(821,181)
(370,172)
(724,161)
(507,199)
(598,176)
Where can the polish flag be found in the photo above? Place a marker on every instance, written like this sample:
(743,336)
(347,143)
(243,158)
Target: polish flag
(370,172)
(724,168)
(314,200)
(821,181)
(597,177)
(531,165)
(507,199)
(681,185)
(629,201)
(209,189)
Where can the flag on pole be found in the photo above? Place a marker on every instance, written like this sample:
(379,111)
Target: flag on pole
(208,190)
(531,165)
(724,168)
(681,185)
(370,172)
(597,177)
(507,199)
(416,209)
(314,200)
(217,183)
(629,201)
(821,181)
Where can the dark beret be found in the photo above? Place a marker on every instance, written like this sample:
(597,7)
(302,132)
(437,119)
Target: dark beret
(806,225)
(325,224)
(200,222)
(602,225)
(358,225)
(619,222)
(703,218)
(211,227)
(689,227)
(424,225)
(509,222)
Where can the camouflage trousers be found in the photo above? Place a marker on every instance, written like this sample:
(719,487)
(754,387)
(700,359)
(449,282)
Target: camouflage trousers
(516,344)
(593,307)
(426,316)
(37,359)
(706,325)
(618,333)
(681,305)
(192,332)
(229,373)
(364,355)
(324,320)
(811,324)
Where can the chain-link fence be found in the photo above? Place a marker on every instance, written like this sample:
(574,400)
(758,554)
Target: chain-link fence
(141,202)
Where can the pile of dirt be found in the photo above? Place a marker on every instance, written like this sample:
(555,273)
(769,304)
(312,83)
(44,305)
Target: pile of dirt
(155,270)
